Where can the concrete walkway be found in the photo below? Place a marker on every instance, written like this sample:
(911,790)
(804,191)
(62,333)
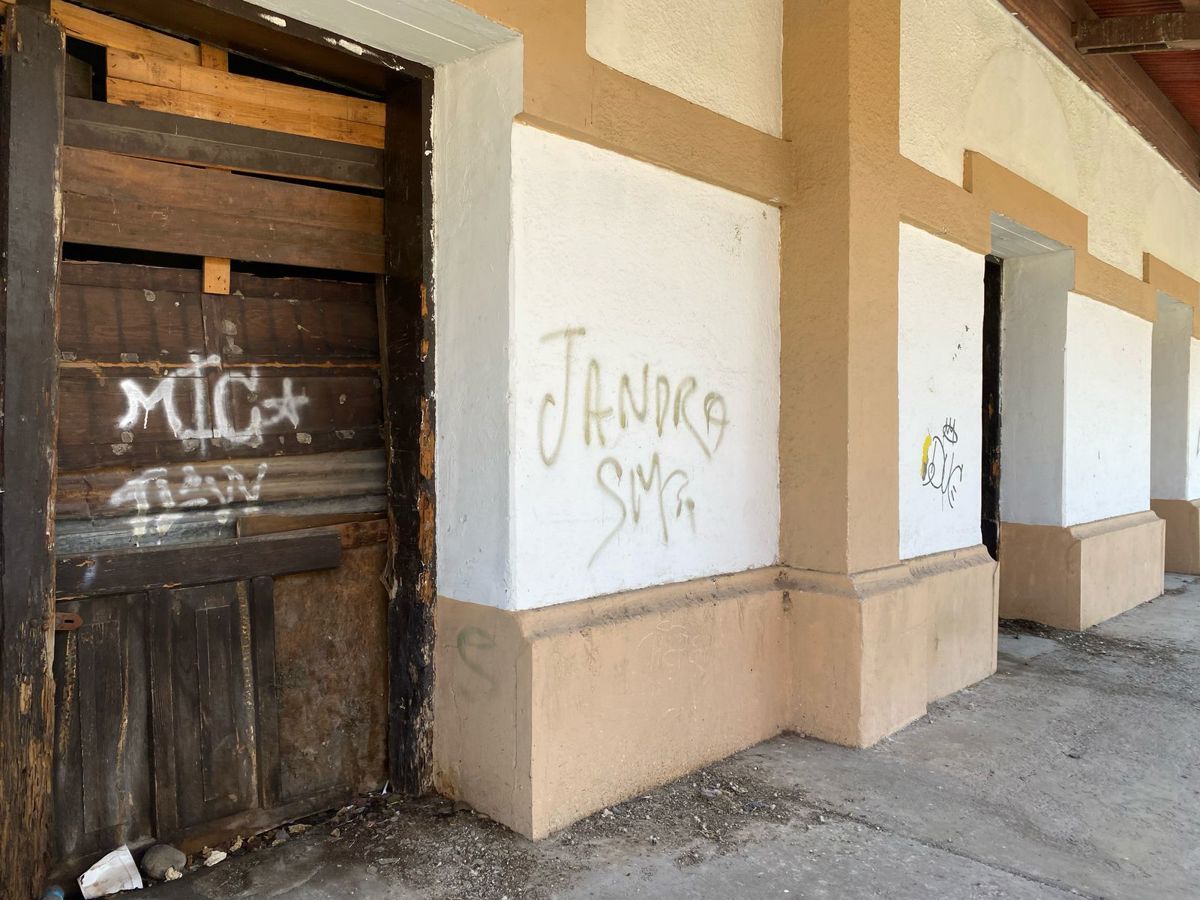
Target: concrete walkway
(1075,770)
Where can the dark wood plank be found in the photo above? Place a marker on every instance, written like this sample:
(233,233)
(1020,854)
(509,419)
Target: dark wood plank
(31,106)
(131,131)
(102,767)
(127,275)
(262,630)
(162,705)
(314,331)
(121,201)
(407,338)
(129,324)
(120,415)
(128,491)
(149,568)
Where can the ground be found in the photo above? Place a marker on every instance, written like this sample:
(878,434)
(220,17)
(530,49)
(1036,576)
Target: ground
(1074,771)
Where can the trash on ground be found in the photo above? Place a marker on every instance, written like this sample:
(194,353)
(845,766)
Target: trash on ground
(112,874)
(160,857)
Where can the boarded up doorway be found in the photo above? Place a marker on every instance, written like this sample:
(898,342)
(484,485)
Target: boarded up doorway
(243,390)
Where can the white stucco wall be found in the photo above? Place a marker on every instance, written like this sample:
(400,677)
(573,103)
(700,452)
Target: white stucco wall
(973,78)
(474,102)
(1106,431)
(1192,444)
(670,286)
(1032,388)
(940,388)
(1171,413)
(719,54)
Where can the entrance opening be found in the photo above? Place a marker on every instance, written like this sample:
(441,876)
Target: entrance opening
(993,290)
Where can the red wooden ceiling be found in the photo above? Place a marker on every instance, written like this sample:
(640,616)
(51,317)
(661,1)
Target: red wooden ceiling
(1177,73)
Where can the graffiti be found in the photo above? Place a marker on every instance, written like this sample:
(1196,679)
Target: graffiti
(264,414)
(648,402)
(154,489)
(938,468)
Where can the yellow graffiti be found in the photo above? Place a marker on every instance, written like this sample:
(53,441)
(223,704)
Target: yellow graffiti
(925,454)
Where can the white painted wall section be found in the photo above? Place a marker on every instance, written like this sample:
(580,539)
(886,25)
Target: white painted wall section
(474,103)
(940,390)
(722,55)
(1106,440)
(973,78)
(1032,387)
(1170,415)
(646,374)
(1192,491)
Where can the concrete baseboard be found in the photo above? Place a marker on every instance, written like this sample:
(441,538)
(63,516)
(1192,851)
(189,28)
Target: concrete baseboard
(1182,518)
(544,716)
(1078,576)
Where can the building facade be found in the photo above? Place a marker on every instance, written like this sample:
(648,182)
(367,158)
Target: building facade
(766,354)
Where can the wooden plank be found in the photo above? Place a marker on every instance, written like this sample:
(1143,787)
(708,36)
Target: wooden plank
(214,57)
(120,415)
(97,28)
(121,201)
(407,365)
(262,636)
(299,330)
(132,131)
(162,706)
(129,325)
(127,490)
(31,106)
(1139,34)
(128,275)
(356,529)
(102,759)
(152,82)
(182,565)
(216,275)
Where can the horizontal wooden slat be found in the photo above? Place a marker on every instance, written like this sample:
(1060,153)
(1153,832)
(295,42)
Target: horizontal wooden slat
(107,31)
(165,85)
(132,131)
(220,484)
(122,201)
(129,324)
(118,415)
(146,568)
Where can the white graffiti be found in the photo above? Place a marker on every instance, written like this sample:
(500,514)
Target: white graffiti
(265,414)
(153,489)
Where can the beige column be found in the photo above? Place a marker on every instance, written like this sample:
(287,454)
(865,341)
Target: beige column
(868,628)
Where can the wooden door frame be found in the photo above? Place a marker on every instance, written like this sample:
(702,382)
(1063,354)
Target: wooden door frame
(32,87)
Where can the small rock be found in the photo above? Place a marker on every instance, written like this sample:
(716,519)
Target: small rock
(161,857)
(298,828)
(172,874)
(281,837)
(236,845)
(213,857)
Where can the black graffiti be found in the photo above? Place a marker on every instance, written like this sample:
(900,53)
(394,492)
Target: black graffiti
(938,467)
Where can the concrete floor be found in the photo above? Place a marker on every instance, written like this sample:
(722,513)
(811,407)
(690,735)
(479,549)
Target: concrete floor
(1074,771)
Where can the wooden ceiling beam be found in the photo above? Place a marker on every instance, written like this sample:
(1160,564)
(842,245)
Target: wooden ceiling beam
(1139,34)
(1117,78)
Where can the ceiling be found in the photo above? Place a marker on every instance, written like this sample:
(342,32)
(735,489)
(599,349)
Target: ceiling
(1176,72)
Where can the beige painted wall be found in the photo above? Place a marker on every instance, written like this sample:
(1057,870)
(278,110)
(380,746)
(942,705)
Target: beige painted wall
(723,55)
(973,78)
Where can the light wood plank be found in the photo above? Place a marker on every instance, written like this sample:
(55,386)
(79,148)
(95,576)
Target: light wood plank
(216,275)
(97,28)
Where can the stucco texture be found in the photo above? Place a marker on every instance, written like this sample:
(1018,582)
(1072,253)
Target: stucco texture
(940,385)
(721,55)
(645,375)
(973,78)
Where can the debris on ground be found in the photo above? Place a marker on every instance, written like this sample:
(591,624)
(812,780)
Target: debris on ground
(111,874)
(213,857)
(161,857)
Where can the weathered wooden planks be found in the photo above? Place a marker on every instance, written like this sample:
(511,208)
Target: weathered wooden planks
(183,565)
(31,106)
(100,29)
(166,85)
(101,493)
(122,415)
(121,201)
(132,131)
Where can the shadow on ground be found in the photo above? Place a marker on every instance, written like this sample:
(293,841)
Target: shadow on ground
(1075,770)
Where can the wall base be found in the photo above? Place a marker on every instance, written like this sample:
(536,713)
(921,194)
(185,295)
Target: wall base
(1075,577)
(1182,518)
(542,717)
